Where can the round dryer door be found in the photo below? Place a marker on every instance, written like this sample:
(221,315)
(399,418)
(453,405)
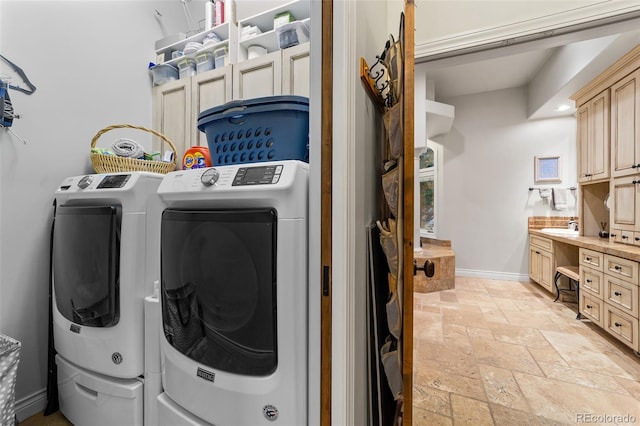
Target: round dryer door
(219,287)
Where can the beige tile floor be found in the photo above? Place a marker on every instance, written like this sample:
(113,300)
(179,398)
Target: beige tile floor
(503,353)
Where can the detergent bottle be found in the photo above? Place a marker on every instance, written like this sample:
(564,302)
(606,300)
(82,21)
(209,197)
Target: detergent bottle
(196,157)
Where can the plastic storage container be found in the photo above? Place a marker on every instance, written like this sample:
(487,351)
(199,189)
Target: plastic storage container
(163,72)
(9,359)
(292,34)
(256,130)
(221,57)
(187,67)
(204,62)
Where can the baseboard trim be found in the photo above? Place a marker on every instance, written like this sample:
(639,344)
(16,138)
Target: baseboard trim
(506,276)
(31,405)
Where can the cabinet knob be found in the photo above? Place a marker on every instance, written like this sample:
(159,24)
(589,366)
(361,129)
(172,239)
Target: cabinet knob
(537,252)
(617,268)
(588,259)
(617,293)
(617,324)
(589,281)
(624,237)
(612,235)
(635,181)
(589,306)
(637,238)
(633,166)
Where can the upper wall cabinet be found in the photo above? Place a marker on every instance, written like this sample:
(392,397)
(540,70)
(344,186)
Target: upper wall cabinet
(176,106)
(608,121)
(625,125)
(593,138)
(280,71)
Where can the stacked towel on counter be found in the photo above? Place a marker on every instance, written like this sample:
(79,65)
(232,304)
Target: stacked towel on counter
(559,198)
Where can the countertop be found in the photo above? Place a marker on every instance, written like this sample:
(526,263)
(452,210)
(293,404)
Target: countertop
(595,243)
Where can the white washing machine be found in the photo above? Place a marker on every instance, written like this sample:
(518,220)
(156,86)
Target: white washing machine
(234,295)
(99,286)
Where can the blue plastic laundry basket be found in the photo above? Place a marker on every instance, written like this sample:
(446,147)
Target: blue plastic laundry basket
(255,130)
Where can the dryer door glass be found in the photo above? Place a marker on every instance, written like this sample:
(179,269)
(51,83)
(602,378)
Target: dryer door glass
(86,247)
(219,287)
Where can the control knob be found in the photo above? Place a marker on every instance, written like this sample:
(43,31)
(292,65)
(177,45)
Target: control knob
(84,182)
(209,176)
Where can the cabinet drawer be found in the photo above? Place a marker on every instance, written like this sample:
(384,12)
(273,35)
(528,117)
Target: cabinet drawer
(591,281)
(624,269)
(591,307)
(622,326)
(592,259)
(624,237)
(544,243)
(622,295)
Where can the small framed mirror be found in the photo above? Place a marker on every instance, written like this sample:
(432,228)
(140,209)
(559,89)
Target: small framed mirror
(547,169)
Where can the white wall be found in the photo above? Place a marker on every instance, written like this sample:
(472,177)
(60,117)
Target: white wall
(488,168)
(89,61)
(359,31)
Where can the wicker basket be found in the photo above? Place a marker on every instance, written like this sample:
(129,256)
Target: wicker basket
(103,163)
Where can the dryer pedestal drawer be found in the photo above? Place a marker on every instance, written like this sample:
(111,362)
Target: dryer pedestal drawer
(88,398)
(622,326)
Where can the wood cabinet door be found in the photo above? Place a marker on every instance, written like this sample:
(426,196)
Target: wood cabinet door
(599,130)
(296,71)
(593,138)
(209,89)
(582,134)
(546,271)
(534,264)
(172,115)
(624,208)
(258,77)
(625,122)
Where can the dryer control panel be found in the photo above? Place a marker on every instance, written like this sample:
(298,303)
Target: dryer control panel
(258,175)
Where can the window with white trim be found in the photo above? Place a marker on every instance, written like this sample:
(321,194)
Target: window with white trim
(427,179)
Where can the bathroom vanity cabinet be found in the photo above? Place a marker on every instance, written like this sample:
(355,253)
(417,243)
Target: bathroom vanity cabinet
(609,294)
(541,261)
(609,279)
(545,255)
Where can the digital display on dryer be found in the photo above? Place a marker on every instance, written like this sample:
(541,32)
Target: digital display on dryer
(260,175)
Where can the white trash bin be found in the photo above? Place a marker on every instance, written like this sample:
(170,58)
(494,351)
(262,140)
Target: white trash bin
(9,358)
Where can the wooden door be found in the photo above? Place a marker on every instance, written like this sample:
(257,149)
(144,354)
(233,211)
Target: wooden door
(624,208)
(582,120)
(625,119)
(599,136)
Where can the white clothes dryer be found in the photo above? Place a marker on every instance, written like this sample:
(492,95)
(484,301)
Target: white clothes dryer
(99,286)
(234,294)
